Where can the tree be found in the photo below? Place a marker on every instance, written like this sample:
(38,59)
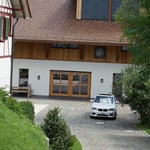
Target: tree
(136,82)
(57,131)
(134,18)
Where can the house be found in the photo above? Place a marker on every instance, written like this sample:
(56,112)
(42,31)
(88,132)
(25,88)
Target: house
(70,48)
(9,11)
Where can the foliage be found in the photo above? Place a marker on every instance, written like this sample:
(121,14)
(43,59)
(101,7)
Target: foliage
(3,94)
(12,104)
(146,128)
(18,133)
(27,109)
(57,131)
(136,83)
(134,18)
(77,145)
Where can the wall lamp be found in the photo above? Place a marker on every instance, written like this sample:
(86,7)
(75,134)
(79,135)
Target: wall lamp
(101,80)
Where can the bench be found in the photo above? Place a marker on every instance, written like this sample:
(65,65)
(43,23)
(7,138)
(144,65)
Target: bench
(23,89)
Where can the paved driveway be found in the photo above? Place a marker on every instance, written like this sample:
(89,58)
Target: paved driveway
(97,134)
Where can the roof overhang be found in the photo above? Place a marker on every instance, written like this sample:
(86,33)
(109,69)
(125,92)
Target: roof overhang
(15,8)
(21,8)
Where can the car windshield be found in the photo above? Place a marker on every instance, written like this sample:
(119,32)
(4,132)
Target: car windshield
(104,100)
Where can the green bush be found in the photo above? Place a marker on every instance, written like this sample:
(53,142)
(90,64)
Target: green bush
(18,133)
(57,131)
(10,102)
(3,94)
(13,104)
(27,109)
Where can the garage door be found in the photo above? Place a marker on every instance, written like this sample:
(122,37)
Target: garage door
(69,83)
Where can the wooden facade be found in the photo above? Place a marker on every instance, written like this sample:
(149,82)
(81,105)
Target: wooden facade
(85,53)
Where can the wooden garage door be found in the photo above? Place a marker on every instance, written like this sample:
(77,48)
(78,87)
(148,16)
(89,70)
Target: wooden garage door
(66,83)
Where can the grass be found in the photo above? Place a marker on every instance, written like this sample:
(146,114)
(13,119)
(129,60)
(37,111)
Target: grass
(145,128)
(77,145)
(18,133)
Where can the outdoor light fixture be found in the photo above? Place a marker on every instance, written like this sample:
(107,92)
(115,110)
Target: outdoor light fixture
(38,77)
(101,80)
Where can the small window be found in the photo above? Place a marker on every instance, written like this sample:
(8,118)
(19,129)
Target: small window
(64,45)
(99,52)
(23,77)
(124,48)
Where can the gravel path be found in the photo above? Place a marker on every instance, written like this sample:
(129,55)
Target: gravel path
(96,134)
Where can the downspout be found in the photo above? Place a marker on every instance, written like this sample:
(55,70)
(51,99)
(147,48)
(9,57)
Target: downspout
(12,54)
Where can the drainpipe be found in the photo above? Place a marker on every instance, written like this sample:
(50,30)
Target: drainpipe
(12,54)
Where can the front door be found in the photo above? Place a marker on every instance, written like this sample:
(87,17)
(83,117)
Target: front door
(69,83)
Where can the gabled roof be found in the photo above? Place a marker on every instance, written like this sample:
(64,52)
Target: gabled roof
(54,21)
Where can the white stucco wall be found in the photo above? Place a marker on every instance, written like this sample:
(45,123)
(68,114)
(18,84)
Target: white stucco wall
(43,67)
(5,63)
(5,73)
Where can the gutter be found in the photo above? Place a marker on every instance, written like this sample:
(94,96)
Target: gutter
(12,53)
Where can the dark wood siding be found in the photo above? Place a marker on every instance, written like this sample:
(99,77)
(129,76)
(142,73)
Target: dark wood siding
(43,51)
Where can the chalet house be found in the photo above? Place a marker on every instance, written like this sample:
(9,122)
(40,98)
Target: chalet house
(70,48)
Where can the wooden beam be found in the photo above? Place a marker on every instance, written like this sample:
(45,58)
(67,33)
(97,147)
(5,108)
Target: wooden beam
(78,9)
(110,11)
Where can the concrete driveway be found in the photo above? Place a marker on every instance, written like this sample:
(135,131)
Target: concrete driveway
(96,134)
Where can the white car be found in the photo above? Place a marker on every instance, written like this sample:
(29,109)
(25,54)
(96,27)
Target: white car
(104,106)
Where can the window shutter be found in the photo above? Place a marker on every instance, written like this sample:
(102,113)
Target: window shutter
(5,28)
(1,28)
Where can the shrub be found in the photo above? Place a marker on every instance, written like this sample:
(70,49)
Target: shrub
(12,104)
(27,110)
(3,94)
(57,131)
(136,83)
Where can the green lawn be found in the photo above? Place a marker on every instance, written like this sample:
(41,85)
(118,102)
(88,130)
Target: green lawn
(77,145)
(18,133)
(145,128)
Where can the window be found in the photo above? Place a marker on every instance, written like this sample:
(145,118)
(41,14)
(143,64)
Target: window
(23,77)
(124,48)
(96,10)
(115,4)
(99,9)
(62,45)
(100,52)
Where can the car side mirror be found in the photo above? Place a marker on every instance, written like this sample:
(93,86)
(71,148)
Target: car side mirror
(92,100)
